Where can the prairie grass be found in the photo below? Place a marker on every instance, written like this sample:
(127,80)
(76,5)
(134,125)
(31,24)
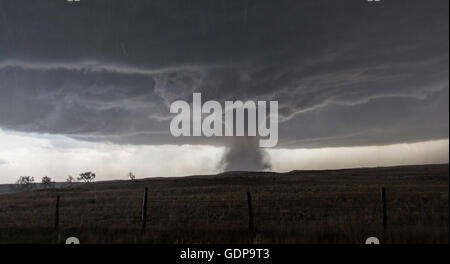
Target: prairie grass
(337,206)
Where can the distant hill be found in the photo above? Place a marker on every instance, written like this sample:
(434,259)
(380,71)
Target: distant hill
(407,169)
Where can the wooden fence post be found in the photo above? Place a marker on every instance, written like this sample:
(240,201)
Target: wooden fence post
(251,226)
(144,209)
(57,212)
(383,208)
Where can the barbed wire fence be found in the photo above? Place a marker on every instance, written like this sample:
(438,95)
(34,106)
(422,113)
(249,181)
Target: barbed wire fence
(250,210)
(254,213)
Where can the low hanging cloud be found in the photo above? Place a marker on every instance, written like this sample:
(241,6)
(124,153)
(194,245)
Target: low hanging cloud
(344,74)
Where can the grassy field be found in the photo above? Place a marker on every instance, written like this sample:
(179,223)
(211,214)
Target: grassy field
(335,206)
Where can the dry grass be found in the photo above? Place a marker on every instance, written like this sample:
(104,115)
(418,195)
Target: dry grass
(341,206)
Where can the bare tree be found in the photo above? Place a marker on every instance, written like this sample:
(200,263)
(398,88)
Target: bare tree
(86,177)
(47,181)
(70,179)
(131,176)
(25,182)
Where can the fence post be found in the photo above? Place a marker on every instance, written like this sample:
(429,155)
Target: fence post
(144,209)
(57,212)
(251,226)
(383,208)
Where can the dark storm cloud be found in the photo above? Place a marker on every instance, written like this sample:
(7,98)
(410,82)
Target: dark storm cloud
(344,73)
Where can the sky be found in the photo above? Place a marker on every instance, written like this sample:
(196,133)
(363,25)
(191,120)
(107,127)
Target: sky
(88,85)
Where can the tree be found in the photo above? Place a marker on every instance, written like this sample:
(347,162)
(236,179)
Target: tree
(70,179)
(131,176)
(86,177)
(25,182)
(47,181)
